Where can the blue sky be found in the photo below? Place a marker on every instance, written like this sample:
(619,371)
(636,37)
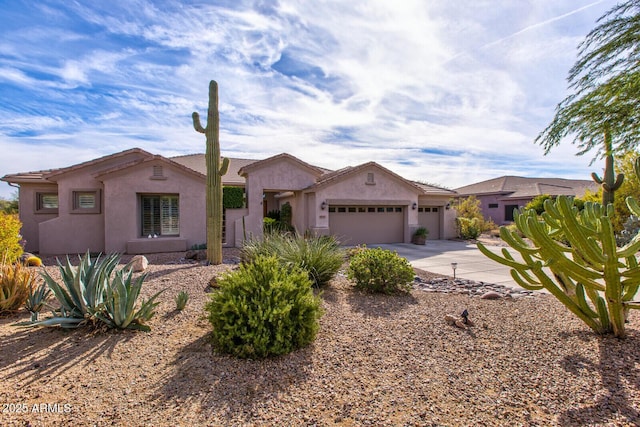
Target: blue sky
(446,92)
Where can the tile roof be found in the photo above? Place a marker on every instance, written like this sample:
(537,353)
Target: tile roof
(522,187)
(197,162)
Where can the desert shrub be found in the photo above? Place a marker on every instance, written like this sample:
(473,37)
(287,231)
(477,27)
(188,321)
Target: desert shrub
(320,256)
(37,300)
(380,270)
(263,309)
(15,284)
(10,249)
(181,300)
(232,197)
(93,293)
(468,228)
(631,229)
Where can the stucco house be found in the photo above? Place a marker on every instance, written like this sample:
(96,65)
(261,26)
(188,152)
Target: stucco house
(137,202)
(500,196)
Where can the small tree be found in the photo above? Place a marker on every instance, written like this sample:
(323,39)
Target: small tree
(10,249)
(470,221)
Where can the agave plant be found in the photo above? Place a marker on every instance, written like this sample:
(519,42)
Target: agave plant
(37,299)
(181,300)
(120,299)
(92,292)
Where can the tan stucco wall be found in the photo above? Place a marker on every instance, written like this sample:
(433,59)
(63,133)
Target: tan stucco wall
(355,189)
(281,175)
(28,216)
(122,210)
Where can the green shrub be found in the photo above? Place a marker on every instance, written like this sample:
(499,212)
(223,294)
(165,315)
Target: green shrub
(232,197)
(15,285)
(10,249)
(263,309)
(468,228)
(89,293)
(380,270)
(320,256)
(181,300)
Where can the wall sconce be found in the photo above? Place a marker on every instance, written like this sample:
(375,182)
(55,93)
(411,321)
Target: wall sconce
(414,206)
(448,206)
(323,205)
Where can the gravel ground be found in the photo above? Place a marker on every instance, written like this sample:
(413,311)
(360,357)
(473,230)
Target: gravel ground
(377,361)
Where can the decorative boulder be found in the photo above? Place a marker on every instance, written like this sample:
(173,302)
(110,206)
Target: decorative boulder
(139,263)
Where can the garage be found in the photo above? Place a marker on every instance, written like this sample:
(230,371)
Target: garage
(429,217)
(355,225)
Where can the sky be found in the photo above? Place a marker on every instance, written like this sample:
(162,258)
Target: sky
(443,92)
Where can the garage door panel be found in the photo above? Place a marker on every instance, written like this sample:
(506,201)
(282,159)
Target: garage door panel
(367,224)
(429,217)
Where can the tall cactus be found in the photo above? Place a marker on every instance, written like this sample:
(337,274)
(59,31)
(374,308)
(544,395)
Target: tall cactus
(590,275)
(215,170)
(609,182)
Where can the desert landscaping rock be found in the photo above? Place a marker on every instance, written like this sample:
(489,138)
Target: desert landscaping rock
(139,263)
(378,360)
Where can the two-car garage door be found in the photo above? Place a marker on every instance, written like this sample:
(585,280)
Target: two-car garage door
(355,225)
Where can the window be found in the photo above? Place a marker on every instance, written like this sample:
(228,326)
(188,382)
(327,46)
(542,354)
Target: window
(493,205)
(508,212)
(85,201)
(352,209)
(160,215)
(46,203)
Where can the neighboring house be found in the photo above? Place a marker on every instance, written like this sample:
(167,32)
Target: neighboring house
(137,202)
(500,196)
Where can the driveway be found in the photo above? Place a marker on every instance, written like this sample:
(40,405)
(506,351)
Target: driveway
(437,255)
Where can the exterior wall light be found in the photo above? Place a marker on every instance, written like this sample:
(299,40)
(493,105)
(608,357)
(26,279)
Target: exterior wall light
(414,206)
(323,205)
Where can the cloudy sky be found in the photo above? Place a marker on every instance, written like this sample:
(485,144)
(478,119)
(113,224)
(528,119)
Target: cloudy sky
(446,92)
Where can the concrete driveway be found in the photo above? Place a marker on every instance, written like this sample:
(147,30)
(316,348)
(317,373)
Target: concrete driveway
(437,255)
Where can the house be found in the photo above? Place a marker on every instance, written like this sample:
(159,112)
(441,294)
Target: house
(500,196)
(138,202)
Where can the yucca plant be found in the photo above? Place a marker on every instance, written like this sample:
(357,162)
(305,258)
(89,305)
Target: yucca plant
(15,283)
(181,300)
(121,294)
(36,300)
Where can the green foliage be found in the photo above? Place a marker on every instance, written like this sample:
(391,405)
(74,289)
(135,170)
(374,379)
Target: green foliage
(232,197)
(320,256)
(380,270)
(9,207)
(92,292)
(537,203)
(591,276)
(470,223)
(468,228)
(286,215)
(15,285)
(37,299)
(181,300)
(421,232)
(263,309)
(10,237)
(630,188)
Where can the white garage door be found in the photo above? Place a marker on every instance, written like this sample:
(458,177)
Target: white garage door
(429,217)
(355,225)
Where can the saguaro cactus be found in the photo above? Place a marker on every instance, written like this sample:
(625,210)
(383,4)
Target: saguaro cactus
(215,170)
(609,181)
(590,275)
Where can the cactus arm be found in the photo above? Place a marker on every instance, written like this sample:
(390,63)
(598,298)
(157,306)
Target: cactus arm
(582,302)
(596,178)
(196,123)
(224,166)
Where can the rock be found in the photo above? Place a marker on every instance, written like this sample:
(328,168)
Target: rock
(139,263)
(491,295)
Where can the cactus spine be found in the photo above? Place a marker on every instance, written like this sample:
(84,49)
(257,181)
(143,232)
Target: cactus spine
(215,170)
(609,182)
(591,276)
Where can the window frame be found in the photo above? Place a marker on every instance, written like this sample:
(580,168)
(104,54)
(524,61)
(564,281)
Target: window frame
(157,230)
(76,205)
(39,202)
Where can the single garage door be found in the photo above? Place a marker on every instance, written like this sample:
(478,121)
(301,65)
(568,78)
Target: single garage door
(429,217)
(355,225)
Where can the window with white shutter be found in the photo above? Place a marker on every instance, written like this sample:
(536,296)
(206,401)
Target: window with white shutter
(160,215)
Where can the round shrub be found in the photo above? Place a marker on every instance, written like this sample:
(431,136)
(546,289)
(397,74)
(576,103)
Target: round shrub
(380,270)
(263,309)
